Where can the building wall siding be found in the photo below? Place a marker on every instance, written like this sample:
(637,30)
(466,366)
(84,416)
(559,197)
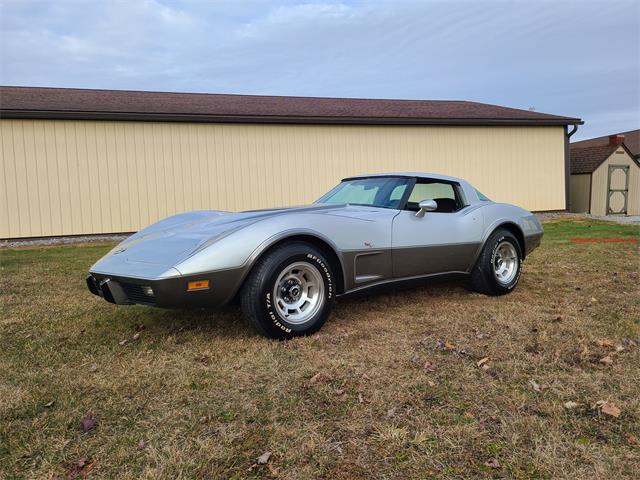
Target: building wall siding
(580,192)
(63,177)
(600,188)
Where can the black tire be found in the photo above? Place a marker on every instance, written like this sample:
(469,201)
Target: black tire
(483,279)
(257,294)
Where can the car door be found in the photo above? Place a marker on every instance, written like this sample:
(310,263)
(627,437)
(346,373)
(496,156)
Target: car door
(445,240)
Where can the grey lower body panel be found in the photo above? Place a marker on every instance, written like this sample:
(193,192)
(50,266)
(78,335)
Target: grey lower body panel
(433,259)
(405,282)
(531,242)
(369,267)
(166,293)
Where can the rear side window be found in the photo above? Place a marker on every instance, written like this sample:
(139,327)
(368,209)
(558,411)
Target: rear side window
(482,197)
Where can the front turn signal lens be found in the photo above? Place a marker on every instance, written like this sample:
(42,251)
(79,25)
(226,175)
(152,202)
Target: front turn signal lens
(198,285)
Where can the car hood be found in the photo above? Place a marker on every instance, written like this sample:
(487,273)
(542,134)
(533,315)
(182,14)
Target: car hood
(156,249)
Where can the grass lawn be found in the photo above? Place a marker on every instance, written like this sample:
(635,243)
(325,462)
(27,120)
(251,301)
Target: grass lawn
(390,388)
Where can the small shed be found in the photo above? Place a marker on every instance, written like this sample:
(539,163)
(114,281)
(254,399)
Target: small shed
(605,179)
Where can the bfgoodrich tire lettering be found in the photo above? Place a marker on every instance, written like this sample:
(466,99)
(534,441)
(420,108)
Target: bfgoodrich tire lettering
(501,251)
(289,291)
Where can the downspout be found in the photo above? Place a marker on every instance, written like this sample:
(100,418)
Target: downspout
(575,129)
(567,166)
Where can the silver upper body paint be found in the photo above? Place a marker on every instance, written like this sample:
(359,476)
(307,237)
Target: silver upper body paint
(373,244)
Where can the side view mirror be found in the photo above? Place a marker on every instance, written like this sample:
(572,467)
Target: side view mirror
(425,206)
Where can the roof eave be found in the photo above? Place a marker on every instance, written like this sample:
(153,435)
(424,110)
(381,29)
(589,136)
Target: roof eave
(195,118)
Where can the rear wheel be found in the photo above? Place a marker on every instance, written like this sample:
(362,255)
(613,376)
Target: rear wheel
(289,291)
(498,268)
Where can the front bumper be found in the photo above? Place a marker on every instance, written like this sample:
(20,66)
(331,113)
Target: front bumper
(166,293)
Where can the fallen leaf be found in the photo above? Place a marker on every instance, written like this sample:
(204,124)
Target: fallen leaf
(88,423)
(632,440)
(606,343)
(264,458)
(93,367)
(535,385)
(492,463)
(140,327)
(606,360)
(429,367)
(136,336)
(316,378)
(123,342)
(570,405)
(141,444)
(449,346)
(485,367)
(391,412)
(80,469)
(594,299)
(431,384)
(482,361)
(609,408)
(619,348)
(360,398)
(50,404)
(339,391)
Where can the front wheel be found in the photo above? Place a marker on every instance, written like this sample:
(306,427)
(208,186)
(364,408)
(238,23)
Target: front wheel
(498,268)
(289,291)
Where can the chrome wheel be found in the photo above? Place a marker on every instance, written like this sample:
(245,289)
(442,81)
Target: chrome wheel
(298,292)
(505,263)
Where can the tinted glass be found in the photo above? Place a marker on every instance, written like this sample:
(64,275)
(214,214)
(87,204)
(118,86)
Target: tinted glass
(425,191)
(443,193)
(482,198)
(385,192)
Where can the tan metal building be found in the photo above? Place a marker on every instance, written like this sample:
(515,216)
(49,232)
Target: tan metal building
(95,161)
(605,179)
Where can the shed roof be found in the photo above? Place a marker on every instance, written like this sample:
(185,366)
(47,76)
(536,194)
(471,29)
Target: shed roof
(73,103)
(587,159)
(631,140)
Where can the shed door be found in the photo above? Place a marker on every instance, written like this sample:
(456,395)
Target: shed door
(618,189)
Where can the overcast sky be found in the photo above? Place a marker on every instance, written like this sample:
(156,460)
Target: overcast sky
(575,58)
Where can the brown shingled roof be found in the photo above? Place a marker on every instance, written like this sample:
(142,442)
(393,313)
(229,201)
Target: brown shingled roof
(59,103)
(587,159)
(631,141)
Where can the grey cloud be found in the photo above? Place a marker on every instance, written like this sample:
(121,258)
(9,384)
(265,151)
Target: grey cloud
(573,57)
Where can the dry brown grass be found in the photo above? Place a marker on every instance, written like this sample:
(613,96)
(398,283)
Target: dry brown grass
(399,393)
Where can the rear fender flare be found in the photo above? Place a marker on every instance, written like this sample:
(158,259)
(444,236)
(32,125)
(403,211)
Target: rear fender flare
(503,222)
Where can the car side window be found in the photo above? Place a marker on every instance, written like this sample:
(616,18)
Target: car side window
(443,193)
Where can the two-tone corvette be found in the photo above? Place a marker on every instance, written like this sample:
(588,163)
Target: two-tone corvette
(287,265)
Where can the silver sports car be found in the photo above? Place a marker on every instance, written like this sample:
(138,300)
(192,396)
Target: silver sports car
(285,266)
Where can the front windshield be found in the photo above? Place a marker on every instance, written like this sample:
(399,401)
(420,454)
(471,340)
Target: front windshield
(385,192)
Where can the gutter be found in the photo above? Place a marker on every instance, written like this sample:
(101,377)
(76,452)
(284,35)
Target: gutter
(275,119)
